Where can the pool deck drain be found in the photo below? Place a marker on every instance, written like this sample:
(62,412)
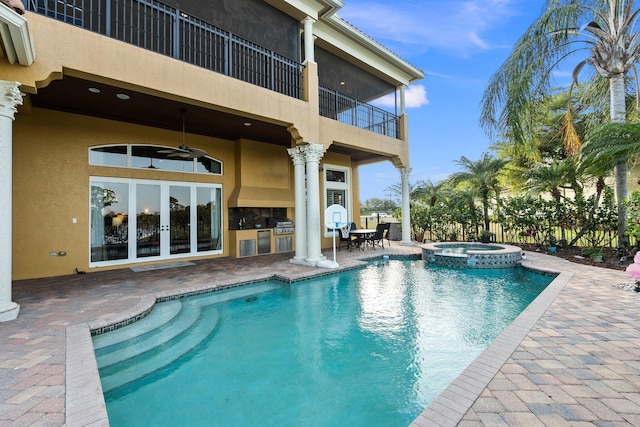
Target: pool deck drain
(572,358)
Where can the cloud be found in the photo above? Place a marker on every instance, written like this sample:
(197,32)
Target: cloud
(460,27)
(414,96)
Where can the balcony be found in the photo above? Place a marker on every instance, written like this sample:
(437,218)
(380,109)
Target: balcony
(163,29)
(348,110)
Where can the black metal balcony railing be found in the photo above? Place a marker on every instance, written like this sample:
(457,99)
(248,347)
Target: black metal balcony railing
(348,110)
(166,30)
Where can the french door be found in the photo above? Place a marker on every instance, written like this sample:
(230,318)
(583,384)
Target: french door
(140,220)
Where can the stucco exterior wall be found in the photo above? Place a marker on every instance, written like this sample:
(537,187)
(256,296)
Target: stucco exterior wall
(51,184)
(108,60)
(51,172)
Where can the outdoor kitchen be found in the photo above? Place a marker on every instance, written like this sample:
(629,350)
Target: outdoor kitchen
(260,231)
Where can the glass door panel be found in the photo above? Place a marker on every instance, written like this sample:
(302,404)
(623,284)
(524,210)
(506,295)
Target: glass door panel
(148,220)
(109,237)
(179,219)
(208,217)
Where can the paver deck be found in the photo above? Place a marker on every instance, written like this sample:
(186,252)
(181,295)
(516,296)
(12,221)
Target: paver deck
(572,359)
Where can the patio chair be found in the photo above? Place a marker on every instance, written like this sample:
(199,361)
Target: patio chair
(346,238)
(377,238)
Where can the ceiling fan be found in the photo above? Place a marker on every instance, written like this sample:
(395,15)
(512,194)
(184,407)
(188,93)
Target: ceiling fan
(183,151)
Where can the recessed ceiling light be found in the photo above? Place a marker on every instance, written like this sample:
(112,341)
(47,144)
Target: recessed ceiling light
(247,123)
(94,90)
(342,83)
(123,96)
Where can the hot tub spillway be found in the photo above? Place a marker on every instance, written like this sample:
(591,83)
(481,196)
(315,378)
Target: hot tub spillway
(471,255)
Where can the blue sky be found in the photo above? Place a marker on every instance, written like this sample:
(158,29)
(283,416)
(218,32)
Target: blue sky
(459,44)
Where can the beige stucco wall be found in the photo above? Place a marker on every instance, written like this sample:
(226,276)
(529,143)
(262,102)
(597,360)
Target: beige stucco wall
(51,184)
(50,149)
(62,49)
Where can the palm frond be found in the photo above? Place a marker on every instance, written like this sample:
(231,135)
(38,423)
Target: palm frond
(609,145)
(570,139)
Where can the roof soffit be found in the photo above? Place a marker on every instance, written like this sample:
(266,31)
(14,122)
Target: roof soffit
(340,36)
(359,46)
(301,9)
(16,39)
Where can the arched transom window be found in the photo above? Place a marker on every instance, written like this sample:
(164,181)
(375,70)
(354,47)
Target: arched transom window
(170,159)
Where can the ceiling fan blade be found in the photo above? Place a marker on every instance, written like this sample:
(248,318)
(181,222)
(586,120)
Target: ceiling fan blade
(180,154)
(197,153)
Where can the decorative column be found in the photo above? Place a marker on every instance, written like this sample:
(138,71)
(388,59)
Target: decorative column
(10,97)
(297,155)
(402,100)
(308,39)
(406,213)
(313,153)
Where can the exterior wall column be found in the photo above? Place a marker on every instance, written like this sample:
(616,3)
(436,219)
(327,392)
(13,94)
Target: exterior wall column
(308,39)
(402,100)
(297,155)
(406,213)
(10,97)
(313,153)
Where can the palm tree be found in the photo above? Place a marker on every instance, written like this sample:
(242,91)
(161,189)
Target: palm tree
(553,177)
(483,176)
(610,35)
(430,192)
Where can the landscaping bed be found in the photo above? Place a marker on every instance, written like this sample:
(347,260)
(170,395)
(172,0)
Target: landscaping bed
(611,258)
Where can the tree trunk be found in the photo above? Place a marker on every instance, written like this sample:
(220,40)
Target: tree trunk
(618,115)
(485,212)
(591,213)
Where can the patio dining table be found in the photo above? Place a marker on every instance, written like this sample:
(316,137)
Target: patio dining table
(362,235)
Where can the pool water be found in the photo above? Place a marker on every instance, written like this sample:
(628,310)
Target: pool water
(463,249)
(372,346)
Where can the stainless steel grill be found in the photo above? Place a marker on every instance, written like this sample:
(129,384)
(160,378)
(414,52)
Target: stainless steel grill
(283,227)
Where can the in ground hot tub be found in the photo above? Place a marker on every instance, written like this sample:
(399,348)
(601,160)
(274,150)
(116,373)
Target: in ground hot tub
(471,254)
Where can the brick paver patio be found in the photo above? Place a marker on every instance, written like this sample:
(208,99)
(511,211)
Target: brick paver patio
(571,359)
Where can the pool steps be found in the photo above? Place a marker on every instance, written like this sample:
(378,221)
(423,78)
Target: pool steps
(142,365)
(161,314)
(159,339)
(137,345)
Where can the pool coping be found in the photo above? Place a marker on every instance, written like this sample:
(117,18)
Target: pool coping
(85,404)
(449,408)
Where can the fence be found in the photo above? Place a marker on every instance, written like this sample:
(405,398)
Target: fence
(562,236)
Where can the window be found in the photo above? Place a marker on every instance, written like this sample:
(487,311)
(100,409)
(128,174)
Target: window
(337,187)
(169,159)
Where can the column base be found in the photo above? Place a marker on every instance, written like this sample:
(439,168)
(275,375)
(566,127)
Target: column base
(9,312)
(326,263)
(302,262)
(307,261)
(407,244)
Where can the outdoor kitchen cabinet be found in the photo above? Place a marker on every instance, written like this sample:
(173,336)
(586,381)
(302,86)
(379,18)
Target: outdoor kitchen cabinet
(259,241)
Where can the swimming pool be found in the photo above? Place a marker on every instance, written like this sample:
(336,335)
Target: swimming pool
(365,347)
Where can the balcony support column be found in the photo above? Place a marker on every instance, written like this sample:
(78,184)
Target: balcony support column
(297,155)
(308,229)
(313,153)
(308,39)
(10,97)
(406,213)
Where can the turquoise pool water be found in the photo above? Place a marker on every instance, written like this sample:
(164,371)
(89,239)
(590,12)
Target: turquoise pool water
(463,249)
(372,346)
